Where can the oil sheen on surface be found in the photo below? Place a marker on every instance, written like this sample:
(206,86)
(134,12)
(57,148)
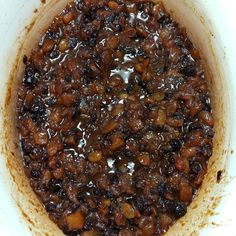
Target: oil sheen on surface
(115,119)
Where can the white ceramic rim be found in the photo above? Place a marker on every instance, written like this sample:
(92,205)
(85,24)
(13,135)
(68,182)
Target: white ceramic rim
(221,19)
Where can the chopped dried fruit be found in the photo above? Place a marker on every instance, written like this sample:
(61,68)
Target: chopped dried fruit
(41,138)
(113,5)
(63,45)
(48,45)
(116,142)
(68,17)
(144,159)
(109,126)
(114,118)
(186,193)
(90,233)
(75,221)
(95,156)
(127,210)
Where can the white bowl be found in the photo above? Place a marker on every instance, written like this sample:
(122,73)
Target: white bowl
(211,24)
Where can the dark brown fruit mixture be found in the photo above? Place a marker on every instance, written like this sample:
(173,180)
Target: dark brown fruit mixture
(115,119)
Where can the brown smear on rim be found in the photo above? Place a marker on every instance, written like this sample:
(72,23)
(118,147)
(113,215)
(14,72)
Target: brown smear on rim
(26,201)
(27,218)
(15,167)
(198,219)
(111,127)
(219,176)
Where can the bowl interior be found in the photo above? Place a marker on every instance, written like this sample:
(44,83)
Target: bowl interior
(193,15)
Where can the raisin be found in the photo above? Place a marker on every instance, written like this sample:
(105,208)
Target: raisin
(206,150)
(73,42)
(31,77)
(38,107)
(188,67)
(62,195)
(35,173)
(180,210)
(128,153)
(38,110)
(54,54)
(50,206)
(129,88)
(111,232)
(161,188)
(54,186)
(97,191)
(26,147)
(196,167)
(114,179)
(45,90)
(141,202)
(170,170)
(114,118)
(108,89)
(51,35)
(176,144)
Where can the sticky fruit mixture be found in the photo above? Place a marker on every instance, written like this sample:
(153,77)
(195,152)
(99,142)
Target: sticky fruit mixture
(114,118)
